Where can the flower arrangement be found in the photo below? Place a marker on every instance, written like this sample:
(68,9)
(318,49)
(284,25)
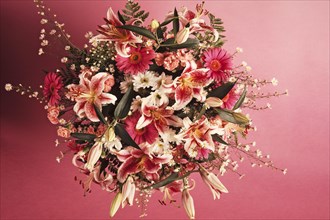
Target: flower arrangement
(144,105)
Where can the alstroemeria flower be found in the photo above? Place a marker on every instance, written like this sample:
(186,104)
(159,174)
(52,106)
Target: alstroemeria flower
(121,37)
(190,85)
(161,116)
(198,137)
(136,160)
(88,93)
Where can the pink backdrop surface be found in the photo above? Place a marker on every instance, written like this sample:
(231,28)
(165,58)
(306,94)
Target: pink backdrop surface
(288,40)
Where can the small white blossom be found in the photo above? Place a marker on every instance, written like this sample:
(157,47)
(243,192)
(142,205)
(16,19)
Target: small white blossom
(244,63)
(8,87)
(67,47)
(43,21)
(248,68)
(44,43)
(64,60)
(239,50)
(274,82)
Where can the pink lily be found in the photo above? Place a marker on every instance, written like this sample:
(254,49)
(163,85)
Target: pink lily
(88,93)
(162,117)
(136,160)
(121,37)
(198,137)
(190,85)
(196,23)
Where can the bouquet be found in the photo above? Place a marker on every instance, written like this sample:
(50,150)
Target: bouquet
(144,105)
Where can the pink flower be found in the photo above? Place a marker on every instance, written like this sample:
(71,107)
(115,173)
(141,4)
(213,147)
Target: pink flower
(146,134)
(121,37)
(136,160)
(161,116)
(52,114)
(230,100)
(52,85)
(138,60)
(109,83)
(190,85)
(219,63)
(88,93)
(63,132)
(198,137)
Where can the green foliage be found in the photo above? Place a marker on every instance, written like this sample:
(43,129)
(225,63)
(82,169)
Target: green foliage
(124,105)
(221,91)
(139,30)
(133,11)
(217,24)
(124,135)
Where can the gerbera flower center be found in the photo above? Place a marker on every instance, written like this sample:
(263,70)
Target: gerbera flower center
(135,58)
(215,65)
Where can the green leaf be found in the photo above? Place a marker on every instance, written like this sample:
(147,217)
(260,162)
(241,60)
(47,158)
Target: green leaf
(121,18)
(176,24)
(125,137)
(166,22)
(99,114)
(240,100)
(84,136)
(221,91)
(124,105)
(170,43)
(217,138)
(168,180)
(139,30)
(233,117)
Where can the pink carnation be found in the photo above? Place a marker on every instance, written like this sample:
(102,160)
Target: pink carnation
(52,85)
(219,63)
(146,134)
(138,61)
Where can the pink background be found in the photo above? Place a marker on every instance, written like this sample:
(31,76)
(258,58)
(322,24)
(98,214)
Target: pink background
(285,39)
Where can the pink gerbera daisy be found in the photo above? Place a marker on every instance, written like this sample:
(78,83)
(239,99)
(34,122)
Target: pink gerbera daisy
(52,84)
(146,134)
(219,62)
(138,60)
(230,99)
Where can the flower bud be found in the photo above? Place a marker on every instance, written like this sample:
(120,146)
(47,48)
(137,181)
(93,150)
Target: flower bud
(93,156)
(214,102)
(182,35)
(213,182)
(128,192)
(188,204)
(115,204)
(154,24)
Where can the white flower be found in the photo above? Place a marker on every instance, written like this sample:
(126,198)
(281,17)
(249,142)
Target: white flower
(157,98)
(274,82)
(144,80)
(8,87)
(64,60)
(239,50)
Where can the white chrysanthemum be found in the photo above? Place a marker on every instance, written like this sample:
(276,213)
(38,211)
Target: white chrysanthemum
(144,80)
(157,98)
